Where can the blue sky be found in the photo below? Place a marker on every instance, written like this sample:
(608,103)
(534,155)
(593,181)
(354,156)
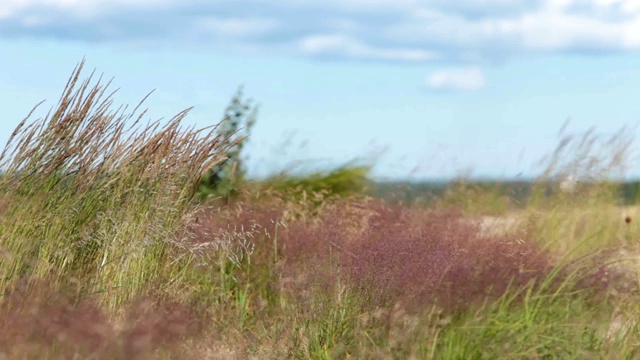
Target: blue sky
(431,88)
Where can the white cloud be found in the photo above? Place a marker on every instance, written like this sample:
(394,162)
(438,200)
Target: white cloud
(236,27)
(465,79)
(75,8)
(462,32)
(551,30)
(336,45)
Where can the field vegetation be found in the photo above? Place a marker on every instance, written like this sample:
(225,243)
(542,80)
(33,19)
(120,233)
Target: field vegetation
(122,238)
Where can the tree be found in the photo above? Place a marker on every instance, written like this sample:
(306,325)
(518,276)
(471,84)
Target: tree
(223,179)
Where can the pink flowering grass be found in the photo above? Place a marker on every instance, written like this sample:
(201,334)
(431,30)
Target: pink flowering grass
(438,257)
(394,254)
(36,320)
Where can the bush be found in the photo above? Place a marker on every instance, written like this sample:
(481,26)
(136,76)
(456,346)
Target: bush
(341,182)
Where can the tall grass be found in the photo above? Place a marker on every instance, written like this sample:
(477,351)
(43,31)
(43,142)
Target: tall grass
(577,196)
(103,254)
(94,197)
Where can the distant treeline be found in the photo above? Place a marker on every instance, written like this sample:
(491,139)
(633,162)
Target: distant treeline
(518,191)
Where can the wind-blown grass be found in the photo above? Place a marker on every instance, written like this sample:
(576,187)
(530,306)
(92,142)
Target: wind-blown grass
(103,254)
(94,197)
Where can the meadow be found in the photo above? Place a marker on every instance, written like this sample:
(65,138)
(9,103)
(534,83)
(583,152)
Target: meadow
(111,249)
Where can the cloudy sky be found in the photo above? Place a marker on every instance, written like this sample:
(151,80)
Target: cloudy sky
(430,88)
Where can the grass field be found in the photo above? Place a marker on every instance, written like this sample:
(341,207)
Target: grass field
(105,253)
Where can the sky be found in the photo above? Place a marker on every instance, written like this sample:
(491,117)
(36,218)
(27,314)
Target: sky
(428,89)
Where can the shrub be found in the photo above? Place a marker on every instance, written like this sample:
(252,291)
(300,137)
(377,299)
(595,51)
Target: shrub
(341,182)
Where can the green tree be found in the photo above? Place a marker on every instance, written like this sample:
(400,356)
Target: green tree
(222,180)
